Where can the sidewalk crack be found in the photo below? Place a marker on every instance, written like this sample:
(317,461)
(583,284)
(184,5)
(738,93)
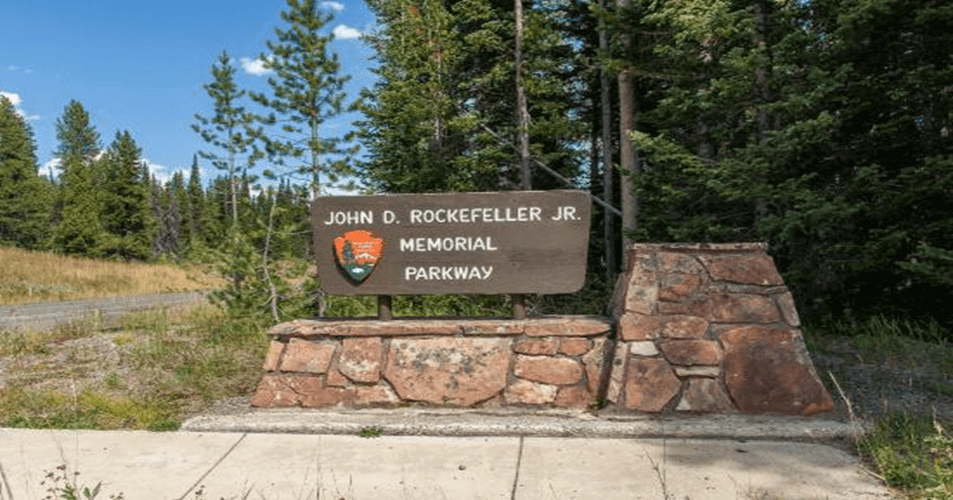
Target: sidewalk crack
(516,478)
(216,464)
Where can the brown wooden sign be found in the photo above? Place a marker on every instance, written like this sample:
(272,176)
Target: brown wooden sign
(414,244)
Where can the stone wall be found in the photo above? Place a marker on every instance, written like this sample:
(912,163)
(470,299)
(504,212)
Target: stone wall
(555,361)
(698,329)
(711,329)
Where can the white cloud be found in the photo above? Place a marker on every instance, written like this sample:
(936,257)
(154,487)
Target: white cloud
(346,32)
(335,6)
(54,165)
(254,67)
(162,173)
(13,98)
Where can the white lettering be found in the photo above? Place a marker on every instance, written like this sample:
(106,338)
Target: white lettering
(350,218)
(448,244)
(470,215)
(448,273)
(564,214)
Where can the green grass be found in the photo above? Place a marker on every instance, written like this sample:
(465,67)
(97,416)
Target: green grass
(912,453)
(172,364)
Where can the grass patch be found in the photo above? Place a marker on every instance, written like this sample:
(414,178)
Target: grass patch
(51,409)
(30,276)
(914,454)
(170,364)
(909,451)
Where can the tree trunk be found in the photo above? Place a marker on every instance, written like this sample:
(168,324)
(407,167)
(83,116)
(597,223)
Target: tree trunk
(522,108)
(628,157)
(608,171)
(522,116)
(762,75)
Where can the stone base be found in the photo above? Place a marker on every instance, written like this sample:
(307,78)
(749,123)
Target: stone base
(712,329)
(556,361)
(698,329)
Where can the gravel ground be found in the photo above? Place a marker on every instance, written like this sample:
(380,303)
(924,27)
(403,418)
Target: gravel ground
(915,384)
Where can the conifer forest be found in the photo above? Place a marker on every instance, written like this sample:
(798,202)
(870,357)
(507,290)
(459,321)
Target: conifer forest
(822,127)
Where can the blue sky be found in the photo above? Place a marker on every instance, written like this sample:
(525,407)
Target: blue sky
(140,66)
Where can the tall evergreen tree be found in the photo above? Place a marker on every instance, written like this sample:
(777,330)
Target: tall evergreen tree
(198,217)
(80,229)
(306,91)
(231,130)
(819,127)
(25,199)
(179,194)
(441,116)
(126,207)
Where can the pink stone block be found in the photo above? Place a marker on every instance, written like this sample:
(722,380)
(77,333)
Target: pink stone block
(530,393)
(273,357)
(749,268)
(574,346)
(649,385)
(556,371)
(360,359)
(691,352)
(448,370)
(536,347)
(305,356)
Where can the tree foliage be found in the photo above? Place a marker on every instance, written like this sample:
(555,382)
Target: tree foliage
(126,209)
(25,198)
(80,229)
(824,134)
(307,90)
(231,130)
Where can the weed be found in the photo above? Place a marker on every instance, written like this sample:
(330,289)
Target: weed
(371,432)
(61,484)
(17,343)
(114,381)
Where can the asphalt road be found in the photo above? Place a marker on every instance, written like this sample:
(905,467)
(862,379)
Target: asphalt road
(47,315)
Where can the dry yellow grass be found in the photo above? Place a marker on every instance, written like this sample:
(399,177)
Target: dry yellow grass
(27,276)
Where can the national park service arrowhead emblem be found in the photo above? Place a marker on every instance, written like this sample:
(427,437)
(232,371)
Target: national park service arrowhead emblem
(357,253)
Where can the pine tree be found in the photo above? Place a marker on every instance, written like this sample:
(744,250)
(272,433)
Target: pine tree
(80,229)
(25,199)
(441,117)
(231,130)
(198,218)
(179,195)
(126,207)
(169,237)
(306,91)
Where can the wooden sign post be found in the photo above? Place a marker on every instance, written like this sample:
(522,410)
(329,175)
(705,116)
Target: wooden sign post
(469,243)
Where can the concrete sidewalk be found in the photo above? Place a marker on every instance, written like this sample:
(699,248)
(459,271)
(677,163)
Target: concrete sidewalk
(274,463)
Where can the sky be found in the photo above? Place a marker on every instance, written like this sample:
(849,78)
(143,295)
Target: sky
(140,66)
